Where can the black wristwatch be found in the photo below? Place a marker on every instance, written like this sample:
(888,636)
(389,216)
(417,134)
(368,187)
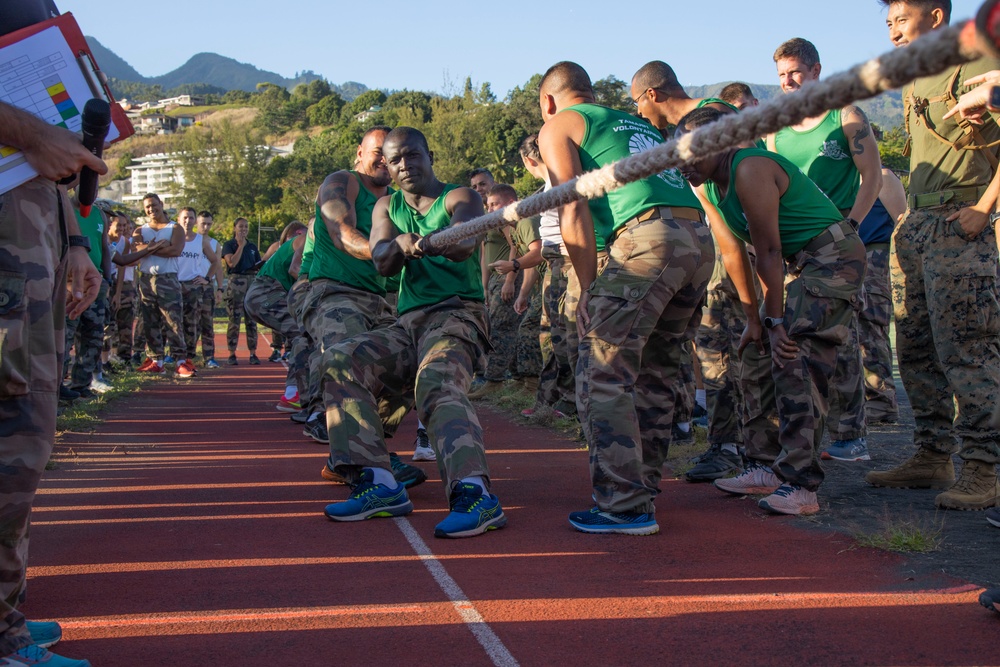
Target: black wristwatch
(79,242)
(772,322)
(994,216)
(517,265)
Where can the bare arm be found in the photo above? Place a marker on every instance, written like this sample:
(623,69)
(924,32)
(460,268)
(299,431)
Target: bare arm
(336,199)
(864,152)
(389,248)
(298,245)
(893,195)
(176,246)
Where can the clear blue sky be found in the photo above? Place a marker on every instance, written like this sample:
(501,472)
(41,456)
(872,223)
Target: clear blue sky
(392,45)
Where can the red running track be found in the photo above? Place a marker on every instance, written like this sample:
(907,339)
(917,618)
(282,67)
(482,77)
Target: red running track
(189,531)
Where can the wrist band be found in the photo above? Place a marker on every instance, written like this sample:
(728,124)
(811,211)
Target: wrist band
(517,265)
(79,242)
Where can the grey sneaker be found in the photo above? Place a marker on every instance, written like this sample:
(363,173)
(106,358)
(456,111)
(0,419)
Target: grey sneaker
(316,429)
(847,450)
(716,463)
(422,450)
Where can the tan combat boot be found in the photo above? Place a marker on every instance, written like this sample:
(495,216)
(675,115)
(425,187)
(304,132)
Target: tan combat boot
(976,489)
(926,469)
(489,387)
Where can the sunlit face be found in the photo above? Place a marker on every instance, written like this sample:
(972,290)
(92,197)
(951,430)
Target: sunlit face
(645,106)
(153,208)
(907,22)
(241,228)
(187,220)
(495,202)
(371,161)
(793,74)
(205,223)
(482,183)
(409,163)
(745,101)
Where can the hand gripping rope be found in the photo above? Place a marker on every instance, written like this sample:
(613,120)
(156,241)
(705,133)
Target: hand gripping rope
(931,54)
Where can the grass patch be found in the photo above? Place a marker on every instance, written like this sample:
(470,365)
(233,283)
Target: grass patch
(679,459)
(904,534)
(512,398)
(83,416)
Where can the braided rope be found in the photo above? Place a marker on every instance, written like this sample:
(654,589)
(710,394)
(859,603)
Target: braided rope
(928,55)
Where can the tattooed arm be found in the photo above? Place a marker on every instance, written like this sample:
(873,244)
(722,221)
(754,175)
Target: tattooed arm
(864,152)
(336,206)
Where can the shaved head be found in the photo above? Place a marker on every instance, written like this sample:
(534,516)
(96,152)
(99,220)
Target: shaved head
(566,77)
(658,75)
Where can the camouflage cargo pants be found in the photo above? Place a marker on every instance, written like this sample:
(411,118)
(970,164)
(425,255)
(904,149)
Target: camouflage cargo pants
(236,292)
(557,381)
(118,334)
(568,308)
(32,343)
(643,306)
(504,322)
(873,330)
(192,295)
(822,286)
(302,344)
(267,303)
(846,418)
(162,313)
(944,293)
(428,354)
(334,312)
(206,324)
(85,335)
(528,356)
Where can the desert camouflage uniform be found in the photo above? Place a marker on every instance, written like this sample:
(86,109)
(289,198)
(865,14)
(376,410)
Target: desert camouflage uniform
(85,335)
(267,303)
(644,304)
(822,286)
(944,290)
(32,343)
(192,295)
(873,329)
(236,292)
(504,322)
(430,354)
(162,311)
(557,382)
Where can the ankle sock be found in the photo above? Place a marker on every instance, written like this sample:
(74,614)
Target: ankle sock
(478,481)
(384,477)
(290,392)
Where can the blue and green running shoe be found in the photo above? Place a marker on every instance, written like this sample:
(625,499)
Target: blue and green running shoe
(472,513)
(369,500)
(596,520)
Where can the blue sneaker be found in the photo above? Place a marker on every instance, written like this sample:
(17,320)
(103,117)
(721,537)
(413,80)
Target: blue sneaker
(168,360)
(369,499)
(212,363)
(36,655)
(44,633)
(472,513)
(847,450)
(596,520)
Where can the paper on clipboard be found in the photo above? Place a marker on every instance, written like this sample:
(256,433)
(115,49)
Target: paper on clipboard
(41,75)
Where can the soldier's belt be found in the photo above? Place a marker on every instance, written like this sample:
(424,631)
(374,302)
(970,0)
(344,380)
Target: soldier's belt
(663,213)
(838,231)
(941,197)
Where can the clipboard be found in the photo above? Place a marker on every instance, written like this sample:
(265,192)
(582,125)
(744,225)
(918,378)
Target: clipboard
(47,69)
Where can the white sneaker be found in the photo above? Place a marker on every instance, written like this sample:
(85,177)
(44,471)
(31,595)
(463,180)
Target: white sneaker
(422,450)
(756,479)
(99,386)
(790,499)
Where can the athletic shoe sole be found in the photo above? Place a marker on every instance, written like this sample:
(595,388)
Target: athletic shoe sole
(331,476)
(495,523)
(804,510)
(748,491)
(623,529)
(282,407)
(826,456)
(375,513)
(424,454)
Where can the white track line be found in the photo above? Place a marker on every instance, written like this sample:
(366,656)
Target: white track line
(498,653)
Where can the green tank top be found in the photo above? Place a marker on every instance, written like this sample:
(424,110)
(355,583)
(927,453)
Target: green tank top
(825,156)
(431,280)
(610,136)
(715,100)
(277,266)
(330,262)
(803,211)
(93,228)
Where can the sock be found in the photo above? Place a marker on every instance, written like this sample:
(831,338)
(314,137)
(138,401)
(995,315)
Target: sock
(731,447)
(478,481)
(383,476)
(699,397)
(290,392)
(684,426)
(420,425)
(314,416)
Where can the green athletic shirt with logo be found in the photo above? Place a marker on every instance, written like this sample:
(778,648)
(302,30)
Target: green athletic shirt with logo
(824,155)
(431,280)
(611,135)
(93,228)
(277,267)
(328,261)
(803,211)
(935,166)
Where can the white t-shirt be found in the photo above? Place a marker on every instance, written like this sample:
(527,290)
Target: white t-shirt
(152,264)
(548,227)
(190,261)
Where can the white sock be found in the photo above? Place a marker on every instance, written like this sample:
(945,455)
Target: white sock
(420,424)
(699,398)
(684,426)
(383,476)
(314,416)
(290,392)
(731,447)
(478,481)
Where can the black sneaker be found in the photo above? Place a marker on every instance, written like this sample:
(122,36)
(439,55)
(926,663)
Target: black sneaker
(137,358)
(275,357)
(316,429)
(231,361)
(404,473)
(990,599)
(67,394)
(254,361)
(300,417)
(714,464)
(682,437)
(993,516)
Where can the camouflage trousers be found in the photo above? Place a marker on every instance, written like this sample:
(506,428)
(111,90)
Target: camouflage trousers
(718,338)
(303,345)
(162,312)
(267,303)
(568,308)
(278,340)
(332,313)
(846,417)
(873,331)
(236,292)
(528,354)
(557,381)
(944,293)
(822,289)
(32,343)
(429,355)
(504,322)
(192,295)
(118,333)
(206,323)
(85,336)
(643,306)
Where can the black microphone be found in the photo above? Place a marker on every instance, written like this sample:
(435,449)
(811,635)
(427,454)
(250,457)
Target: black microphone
(96,121)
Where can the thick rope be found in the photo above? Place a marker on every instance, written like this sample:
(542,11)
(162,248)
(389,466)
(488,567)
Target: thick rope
(928,55)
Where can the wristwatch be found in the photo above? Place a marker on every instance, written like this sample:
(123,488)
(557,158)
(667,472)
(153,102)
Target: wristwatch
(772,322)
(517,265)
(994,216)
(79,242)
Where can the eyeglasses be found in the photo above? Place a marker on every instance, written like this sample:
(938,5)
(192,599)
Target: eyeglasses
(635,102)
